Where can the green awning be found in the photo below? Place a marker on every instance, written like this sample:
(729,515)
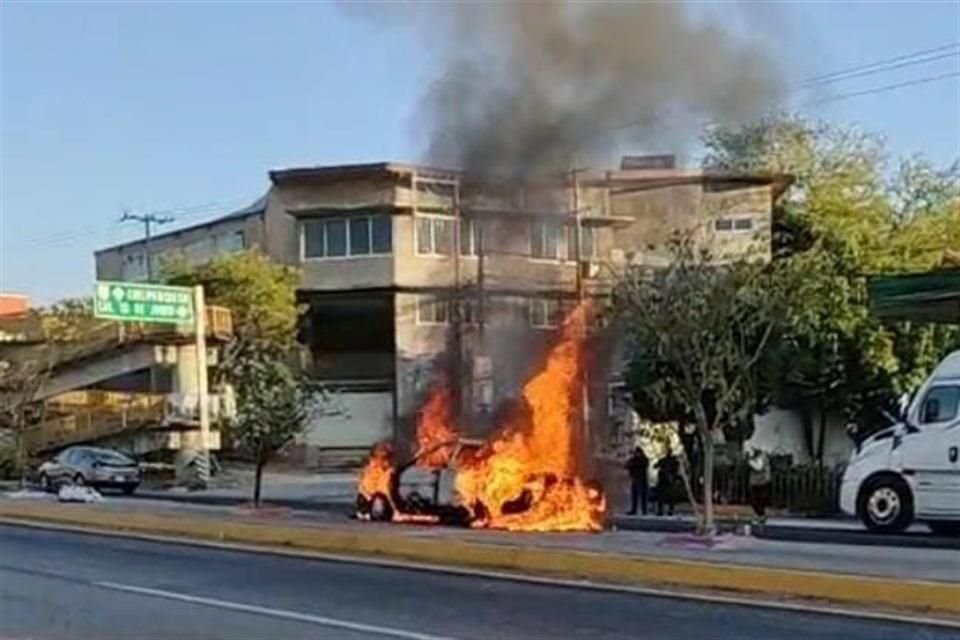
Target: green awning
(933,296)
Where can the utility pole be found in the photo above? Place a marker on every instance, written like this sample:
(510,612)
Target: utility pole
(147,220)
(578,241)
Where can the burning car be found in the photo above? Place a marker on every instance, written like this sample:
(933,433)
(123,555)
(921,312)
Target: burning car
(528,475)
(420,489)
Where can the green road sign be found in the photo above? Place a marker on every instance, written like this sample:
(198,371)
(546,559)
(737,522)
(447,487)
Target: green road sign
(143,302)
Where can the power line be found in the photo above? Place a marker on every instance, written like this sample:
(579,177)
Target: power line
(66,238)
(868,72)
(889,87)
(858,68)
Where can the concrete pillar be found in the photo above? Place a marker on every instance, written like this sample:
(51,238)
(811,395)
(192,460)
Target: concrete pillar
(185,383)
(186,470)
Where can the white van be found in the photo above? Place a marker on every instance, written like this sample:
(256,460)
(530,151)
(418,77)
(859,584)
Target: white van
(911,471)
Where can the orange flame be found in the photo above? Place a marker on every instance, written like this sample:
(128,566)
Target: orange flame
(526,478)
(378,472)
(435,422)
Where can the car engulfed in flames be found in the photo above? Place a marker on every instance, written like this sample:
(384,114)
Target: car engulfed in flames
(525,477)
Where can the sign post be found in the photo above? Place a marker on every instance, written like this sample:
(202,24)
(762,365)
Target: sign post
(200,343)
(136,302)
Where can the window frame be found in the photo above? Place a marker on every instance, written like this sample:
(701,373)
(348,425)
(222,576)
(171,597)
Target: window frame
(434,219)
(469,229)
(926,398)
(550,320)
(433,302)
(734,221)
(561,250)
(348,222)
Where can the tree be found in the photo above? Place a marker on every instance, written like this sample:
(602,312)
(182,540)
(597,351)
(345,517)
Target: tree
(696,333)
(20,381)
(845,218)
(260,293)
(26,367)
(274,404)
(275,400)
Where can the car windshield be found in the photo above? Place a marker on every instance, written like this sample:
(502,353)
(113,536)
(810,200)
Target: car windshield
(111,457)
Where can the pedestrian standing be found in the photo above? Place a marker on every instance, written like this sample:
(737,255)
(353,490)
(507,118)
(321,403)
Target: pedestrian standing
(667,469)
(761,480)
(638,466)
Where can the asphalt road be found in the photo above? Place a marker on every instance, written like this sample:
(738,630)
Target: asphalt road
(71,585)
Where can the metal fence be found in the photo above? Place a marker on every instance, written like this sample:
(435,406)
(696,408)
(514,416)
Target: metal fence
(807,490)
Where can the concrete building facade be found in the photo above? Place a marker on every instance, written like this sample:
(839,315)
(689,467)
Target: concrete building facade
(410,273)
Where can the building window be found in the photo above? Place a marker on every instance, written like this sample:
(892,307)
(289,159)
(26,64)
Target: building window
(469,237)
(730,225)
(544,313)
(470,311)
(434,235)
(546,240)
(134,267)
(336,232)
(381,232)
(231,242)
(343,237)
(588,243)
(432,310)
(200,251)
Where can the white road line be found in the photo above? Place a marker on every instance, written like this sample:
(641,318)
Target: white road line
(274,613)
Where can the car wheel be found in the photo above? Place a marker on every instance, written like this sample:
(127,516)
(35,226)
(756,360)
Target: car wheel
(380,508)
(45,483)
(886,505)
(944,527)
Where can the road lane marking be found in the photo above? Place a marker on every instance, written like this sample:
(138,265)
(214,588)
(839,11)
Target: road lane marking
(274,613)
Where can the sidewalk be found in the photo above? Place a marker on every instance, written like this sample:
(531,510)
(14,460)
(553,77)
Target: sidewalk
(914,578)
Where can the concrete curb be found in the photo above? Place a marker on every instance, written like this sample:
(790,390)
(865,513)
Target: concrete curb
(860,591)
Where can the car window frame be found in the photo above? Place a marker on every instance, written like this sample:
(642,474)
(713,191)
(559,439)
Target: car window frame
(926,397)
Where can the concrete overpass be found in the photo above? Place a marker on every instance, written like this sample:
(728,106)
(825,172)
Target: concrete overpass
(130,386)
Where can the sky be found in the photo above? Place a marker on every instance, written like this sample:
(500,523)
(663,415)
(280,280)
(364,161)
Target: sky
(182,108)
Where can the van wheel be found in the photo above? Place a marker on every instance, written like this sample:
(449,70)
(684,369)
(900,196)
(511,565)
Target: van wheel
(886,505)
(380,508)
(944,527)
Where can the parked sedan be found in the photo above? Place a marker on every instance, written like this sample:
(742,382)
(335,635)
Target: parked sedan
(92,466)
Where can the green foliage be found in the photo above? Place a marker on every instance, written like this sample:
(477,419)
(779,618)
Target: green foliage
(260,293)
(696,336)
(67,320)
(844,219)
(274,403)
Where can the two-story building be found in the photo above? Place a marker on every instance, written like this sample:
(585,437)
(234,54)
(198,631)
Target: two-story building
(410,271)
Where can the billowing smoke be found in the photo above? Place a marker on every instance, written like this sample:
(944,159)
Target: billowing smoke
(531,87)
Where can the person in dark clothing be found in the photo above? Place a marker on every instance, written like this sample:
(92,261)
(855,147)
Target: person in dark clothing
(667,469)
(638,466)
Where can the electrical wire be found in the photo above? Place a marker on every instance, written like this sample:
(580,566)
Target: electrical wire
(829,77)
